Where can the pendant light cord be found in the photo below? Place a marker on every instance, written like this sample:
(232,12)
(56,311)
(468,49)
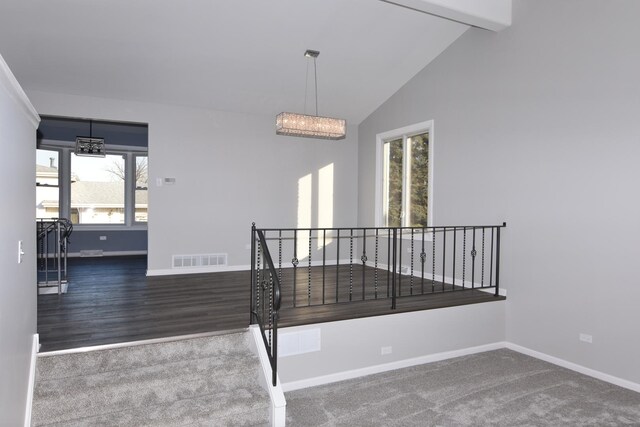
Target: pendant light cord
(306,85)
(315,76)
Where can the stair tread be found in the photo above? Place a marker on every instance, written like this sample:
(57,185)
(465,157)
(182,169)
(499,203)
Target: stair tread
(74,364)
(153,382)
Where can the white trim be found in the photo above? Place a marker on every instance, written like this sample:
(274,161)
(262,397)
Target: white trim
(14,90)
(575,367)
(140,342)
(426,126)
(494,15)
(355,373)
(278,403)
(35,345)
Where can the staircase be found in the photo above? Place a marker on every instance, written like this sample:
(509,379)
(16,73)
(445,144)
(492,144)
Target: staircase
(201,381)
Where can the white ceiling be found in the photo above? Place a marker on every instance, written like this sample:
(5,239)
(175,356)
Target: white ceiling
(234,55)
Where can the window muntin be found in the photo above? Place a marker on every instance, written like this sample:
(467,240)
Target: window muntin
(47,183)
(141,188)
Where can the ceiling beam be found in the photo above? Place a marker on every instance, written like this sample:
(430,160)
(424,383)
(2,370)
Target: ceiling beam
(494,15)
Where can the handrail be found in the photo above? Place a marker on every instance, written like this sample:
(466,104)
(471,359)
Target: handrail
(259,289)
(277,298)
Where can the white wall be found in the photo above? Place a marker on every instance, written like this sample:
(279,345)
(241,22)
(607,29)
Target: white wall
(353,347)
(230,170)
(538,125)
(18,123)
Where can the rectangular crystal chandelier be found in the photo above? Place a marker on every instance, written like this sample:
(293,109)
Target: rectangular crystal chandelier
(295,124)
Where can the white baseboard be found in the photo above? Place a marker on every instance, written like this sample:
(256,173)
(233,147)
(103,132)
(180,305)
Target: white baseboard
(355,373)
(276,394)
(35,346)
(575,367)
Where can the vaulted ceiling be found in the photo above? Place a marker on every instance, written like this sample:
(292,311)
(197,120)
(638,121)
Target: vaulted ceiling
(234,55)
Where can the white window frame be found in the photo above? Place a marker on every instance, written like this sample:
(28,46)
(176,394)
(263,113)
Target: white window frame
(402,133)
(66,149)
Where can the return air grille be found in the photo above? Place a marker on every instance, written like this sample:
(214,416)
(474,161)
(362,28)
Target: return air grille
(199,260)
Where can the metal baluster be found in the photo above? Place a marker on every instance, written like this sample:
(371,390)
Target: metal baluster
(258,282)
(491,261)
(423,257)
(388,261)
(294,261)
(324,260)
(498,259)
(473,261)
(464,255)
(411,279)
(375,270)
(363,258)
(482,276)
(433,260)
(453,274)
(280,256)
(444,256)
(309,272)
(253,273)
(351,265)
(399,242)
(337,261)
(270,305)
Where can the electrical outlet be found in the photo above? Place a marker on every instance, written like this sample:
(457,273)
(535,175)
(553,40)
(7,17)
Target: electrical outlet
(20,252)
(103,237)
(586,338)
(386,350)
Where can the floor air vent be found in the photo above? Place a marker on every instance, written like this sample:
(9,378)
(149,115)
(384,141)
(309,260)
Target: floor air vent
(200,260)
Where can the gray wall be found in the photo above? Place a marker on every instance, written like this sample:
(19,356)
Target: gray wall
(117,240)
(356,344)
(18,287)
(538,125)
(231,169)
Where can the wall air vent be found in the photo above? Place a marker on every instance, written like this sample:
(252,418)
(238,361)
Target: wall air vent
(199,260)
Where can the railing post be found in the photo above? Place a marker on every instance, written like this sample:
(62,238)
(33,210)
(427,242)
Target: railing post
(498,259)
(253,272)
(393,269)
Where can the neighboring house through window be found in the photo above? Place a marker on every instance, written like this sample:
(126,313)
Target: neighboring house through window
(404,176)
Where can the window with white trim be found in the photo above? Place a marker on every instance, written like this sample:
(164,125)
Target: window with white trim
(404,184)
(92,191)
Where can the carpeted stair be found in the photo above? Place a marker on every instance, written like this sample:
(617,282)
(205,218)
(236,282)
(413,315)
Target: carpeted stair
(211,381)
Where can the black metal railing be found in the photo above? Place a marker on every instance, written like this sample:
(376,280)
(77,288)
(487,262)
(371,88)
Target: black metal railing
(265,297)
(320,266)
(52,247)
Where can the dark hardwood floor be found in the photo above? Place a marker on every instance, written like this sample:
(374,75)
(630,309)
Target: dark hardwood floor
(110,300)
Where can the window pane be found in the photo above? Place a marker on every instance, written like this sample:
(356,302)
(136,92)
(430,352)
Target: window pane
(419,180)
(97,189)
(47,181)
(393,154)
(142,176)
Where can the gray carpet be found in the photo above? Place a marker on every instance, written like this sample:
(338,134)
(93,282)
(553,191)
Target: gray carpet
(208,381)
(496,388)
